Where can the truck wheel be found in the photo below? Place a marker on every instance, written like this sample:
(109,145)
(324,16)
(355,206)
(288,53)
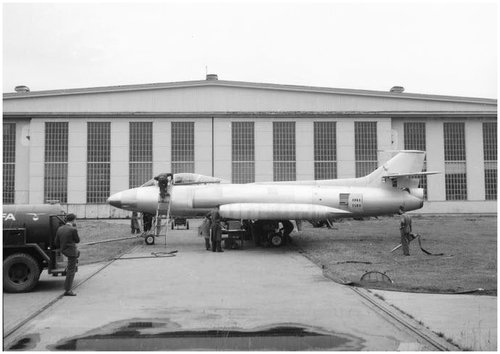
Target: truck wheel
(150,240)
(20,273)
(276,240)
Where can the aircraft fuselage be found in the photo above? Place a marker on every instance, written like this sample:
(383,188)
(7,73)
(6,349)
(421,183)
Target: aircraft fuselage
(272,201)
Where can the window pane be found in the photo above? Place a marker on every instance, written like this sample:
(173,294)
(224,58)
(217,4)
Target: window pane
(414,139)
(325,150)
(490,158)
(98,182)
(56,162)
(55,182)
(140,153)
(284,151)
(98,161)
(9,162)
(455,164)
(182,146)
(243,152)
(365,147)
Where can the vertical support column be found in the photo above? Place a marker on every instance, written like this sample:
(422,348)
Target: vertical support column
(222,148)
(23,166)
(346,166)
(384,140)
(162,140)
(37,161)
(263,150)
(203,146)
(435,161)
(304,148)
(77,161)
(119,155)
(474,155)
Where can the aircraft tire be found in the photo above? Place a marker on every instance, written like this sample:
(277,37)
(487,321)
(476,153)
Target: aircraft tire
(20,273)
(172,223)
(187,225)
(150,240)
(276,239)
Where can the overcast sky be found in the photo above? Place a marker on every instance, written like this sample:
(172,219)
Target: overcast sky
(447,48)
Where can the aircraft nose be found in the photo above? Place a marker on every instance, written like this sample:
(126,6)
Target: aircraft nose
(115,200)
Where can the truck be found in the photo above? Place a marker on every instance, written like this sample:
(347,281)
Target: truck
(28,244)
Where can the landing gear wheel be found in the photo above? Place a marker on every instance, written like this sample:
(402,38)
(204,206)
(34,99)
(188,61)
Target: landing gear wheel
(187,225)
(20,273)
(172,223)
(276,240)
(150,240)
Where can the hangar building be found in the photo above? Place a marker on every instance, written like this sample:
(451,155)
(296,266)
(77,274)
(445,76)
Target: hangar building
(78,146)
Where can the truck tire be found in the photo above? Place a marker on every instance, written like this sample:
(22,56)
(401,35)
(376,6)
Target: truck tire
(20,273)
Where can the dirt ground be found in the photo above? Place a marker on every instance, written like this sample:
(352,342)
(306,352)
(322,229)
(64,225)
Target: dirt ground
(352,248)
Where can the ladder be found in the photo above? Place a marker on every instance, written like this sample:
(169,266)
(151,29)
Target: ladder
(165,182)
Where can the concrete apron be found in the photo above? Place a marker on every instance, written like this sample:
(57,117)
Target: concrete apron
(201,290)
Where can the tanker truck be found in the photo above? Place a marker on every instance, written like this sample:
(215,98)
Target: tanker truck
(28,244)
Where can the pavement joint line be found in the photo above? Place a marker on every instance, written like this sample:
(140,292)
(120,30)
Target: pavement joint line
(383,307)
(59,297)
(408,323)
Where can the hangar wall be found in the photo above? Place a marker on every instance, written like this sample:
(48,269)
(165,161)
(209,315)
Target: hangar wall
(213,106)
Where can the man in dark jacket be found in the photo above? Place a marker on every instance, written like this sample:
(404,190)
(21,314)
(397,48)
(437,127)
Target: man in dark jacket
(66,240)
(405,229)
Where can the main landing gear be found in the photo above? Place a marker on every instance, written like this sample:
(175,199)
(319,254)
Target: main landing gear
(271,233)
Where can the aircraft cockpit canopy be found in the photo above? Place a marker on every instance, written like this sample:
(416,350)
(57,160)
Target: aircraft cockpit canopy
(188,178)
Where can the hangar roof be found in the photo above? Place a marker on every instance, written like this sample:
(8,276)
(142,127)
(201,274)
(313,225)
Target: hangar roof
(223,96)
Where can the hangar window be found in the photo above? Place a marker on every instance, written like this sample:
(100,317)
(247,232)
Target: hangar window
(325,150)
(98,161)
(9,162)
(140,153)
(182,147)
(490,159)
(365,147)
(243,152)
(414,136)
(455,164)
(284,151)
(56,162)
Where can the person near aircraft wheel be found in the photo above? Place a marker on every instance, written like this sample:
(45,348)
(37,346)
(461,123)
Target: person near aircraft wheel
(147,221)
(134,223)
(204,231)
(287,230)
(405,229)
(216,231)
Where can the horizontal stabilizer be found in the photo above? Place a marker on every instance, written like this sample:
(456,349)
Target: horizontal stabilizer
(279,211)
(414,174)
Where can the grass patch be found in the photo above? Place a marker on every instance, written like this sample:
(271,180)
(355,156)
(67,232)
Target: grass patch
(469,245)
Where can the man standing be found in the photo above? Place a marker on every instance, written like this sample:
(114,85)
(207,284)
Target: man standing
(204,231)
(405,228)
(66,239)
(216,230)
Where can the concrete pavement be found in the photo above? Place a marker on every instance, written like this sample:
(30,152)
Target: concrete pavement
(197,290)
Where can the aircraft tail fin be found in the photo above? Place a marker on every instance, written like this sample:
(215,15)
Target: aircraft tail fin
(407,163)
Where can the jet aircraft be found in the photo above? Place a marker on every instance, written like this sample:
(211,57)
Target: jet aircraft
(264,205)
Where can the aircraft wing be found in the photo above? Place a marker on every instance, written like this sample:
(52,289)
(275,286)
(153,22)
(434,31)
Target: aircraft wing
(279,211)
(413,174)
